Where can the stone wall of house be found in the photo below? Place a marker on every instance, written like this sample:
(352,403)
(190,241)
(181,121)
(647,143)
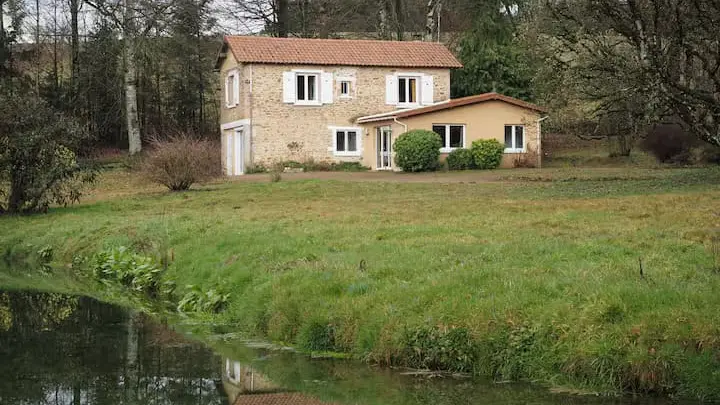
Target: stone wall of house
(282,131)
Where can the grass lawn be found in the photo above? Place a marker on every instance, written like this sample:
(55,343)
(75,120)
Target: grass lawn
(516,274)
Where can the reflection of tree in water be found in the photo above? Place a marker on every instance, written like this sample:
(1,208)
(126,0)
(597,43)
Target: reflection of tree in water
(62,350)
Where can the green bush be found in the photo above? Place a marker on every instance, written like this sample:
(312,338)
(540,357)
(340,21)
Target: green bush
(38,153)
(487,153)
(436,348)
(197,300)
(418,151)
(134,271)
(461,159)
(318,336)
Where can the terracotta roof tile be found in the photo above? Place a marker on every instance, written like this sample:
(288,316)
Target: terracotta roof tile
(341,52)
(457,102)
(277,399)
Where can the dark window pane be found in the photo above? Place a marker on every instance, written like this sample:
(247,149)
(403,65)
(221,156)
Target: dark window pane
(440,130)
(508,137)
(340,138)
(456,136)
(300,79)
(519,137)
(312,79)
(344,88)
(352,141)
(401,90)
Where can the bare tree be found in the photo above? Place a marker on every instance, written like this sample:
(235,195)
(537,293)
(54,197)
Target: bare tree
(669,48)
(135,19)
(432,20)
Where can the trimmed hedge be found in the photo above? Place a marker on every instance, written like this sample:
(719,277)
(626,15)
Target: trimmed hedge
(418,151)
(487,153)
(461,159)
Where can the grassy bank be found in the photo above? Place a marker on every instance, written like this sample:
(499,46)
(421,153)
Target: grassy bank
(521,274)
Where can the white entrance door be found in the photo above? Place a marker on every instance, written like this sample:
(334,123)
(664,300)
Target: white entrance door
(239,152)
(384,148)
(235,158)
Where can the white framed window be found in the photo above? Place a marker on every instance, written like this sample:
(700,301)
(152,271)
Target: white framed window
(408,90)
(232,89)
(345,88)
(346,141)
(307,88)
(514,139)
(452,135)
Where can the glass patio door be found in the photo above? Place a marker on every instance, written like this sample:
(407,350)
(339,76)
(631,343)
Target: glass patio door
(384,148)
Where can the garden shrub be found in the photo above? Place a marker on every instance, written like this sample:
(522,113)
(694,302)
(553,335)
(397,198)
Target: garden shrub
(182,160)
(487,153)
(418,151)
(460,159)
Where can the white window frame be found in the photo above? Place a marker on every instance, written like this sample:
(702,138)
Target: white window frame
(318,78)
(514,148)
(446,148)
(358,146)
(234,74)
(418,89)
(347,83)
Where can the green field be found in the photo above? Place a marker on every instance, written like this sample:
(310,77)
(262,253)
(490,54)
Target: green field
(515,274)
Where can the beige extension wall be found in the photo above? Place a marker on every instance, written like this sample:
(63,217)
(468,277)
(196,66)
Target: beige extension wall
(278,131)
(485,120)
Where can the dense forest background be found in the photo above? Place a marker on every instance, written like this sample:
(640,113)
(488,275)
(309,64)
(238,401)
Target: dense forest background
(130,70)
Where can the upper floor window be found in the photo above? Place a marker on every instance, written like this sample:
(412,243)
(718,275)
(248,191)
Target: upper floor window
(232,89)
(345,88)
(307,87)
(514,138)
(407,90)
(452,136)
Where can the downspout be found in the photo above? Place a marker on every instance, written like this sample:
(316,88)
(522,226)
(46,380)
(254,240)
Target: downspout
(539,140)
(392,150)
(251,132)
(400,123)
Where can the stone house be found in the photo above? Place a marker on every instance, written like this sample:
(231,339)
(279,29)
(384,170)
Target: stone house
(293,99)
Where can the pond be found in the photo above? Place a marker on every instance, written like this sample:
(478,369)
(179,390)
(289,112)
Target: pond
(57,350)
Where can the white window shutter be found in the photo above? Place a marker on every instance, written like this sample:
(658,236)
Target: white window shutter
(236,89)
(428,89)
(391,90)
(288,87)
(326,91)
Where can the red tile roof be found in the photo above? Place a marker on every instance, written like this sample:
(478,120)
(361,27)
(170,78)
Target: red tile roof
(304,51)
(457,102)
(277,399)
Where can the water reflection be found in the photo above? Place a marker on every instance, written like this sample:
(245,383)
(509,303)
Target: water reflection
(60,350)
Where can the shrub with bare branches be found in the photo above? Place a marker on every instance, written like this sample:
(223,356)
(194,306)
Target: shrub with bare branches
(182,160)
